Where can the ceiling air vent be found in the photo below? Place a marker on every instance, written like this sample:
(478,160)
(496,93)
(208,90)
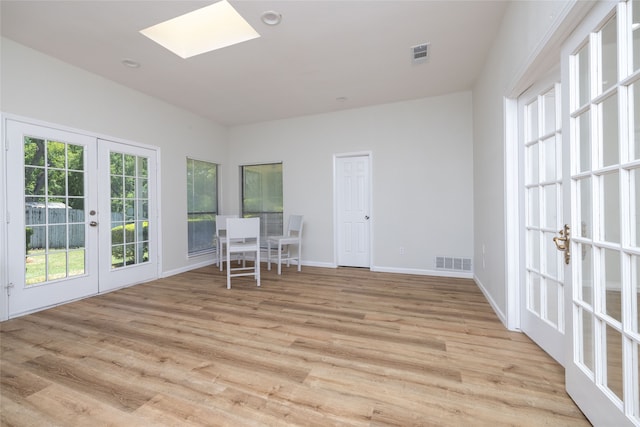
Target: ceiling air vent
(420,53)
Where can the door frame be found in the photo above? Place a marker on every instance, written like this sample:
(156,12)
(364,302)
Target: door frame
(4,208)
(336,203)
(543,58)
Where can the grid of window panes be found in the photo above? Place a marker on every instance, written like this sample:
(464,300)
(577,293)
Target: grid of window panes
(262,197)
(129,209)
(543,191)
(605,115)
(54,210)
(202,205)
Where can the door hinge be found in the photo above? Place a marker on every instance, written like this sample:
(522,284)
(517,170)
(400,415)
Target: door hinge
(9,286)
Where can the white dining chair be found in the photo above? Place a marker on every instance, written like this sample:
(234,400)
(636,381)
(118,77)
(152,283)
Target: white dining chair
(221,231)
(242,237)
(282,244)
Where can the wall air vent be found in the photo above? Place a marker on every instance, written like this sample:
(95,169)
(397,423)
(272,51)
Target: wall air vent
(453,264)
(420,53)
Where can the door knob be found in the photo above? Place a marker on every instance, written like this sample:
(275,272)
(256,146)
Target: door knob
(565,238)
(366,217)
(93,223)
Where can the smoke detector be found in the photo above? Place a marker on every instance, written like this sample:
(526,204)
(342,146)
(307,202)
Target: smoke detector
(420,53)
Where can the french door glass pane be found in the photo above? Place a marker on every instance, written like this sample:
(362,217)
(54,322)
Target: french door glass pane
(532,121)
(554,300)
(585,271)
(549,112)
(549,146)
(612,281)
(584,138)
(635,279)
(609,54)
(636,35)
(532,164)
(533,302)
(534,249)
(54,210)
(635,104)
(610,143)
(551,206)
(584,208)
(585,355)
(614,361)
(611,207)
(582,76)
(129,196)
(634,204)
(533,210)
(553,256)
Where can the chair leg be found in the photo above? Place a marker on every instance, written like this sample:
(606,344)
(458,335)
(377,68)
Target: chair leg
(228,270)
(279,258)
(257,266)
(269,255)
(221,256)
(299,255)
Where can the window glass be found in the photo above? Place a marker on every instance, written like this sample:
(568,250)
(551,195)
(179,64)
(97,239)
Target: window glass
(262,196)
(202,205)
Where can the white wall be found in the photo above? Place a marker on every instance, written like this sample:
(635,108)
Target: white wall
(525,45)
(39,87)
(422,176)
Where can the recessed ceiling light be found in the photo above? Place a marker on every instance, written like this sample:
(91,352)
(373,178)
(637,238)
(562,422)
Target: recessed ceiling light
(271,17)
(130,63)
(203,30)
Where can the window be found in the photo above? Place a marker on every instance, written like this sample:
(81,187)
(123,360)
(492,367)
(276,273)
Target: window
(202,205)
(262,196)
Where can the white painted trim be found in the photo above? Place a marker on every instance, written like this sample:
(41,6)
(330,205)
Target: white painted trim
(187,268)
(494,305)
(545,54)
(4,279)
(512,213)
(368,154)
(423,272)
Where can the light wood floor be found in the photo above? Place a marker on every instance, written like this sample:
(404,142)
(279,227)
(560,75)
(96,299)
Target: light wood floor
(317,348)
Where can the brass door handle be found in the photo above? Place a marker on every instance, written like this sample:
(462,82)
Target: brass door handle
(563,243)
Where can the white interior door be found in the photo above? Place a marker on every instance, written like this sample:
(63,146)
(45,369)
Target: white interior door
(542,296)
(53,250)
(353,211)
(127,224)
(601,71)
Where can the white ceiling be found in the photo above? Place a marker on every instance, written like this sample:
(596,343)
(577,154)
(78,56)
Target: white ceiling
(321,51)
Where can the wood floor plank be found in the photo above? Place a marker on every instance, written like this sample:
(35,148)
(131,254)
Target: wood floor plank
(321,347)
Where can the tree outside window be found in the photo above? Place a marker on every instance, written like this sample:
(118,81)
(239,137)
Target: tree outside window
(202,205)
(262,196)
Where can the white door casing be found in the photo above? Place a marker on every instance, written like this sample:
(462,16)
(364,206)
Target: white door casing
(353,210)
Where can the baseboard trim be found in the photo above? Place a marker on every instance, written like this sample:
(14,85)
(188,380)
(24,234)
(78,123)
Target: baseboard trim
(423,272)
(492,303)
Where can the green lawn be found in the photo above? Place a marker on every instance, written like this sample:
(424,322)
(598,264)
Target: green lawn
(36,271)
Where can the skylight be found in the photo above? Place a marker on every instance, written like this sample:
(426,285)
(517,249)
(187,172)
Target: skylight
(203,30)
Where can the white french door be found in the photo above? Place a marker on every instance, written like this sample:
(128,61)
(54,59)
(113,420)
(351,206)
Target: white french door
(601,71)
(128,230)
(542,295)
(81,216)
(52,250)
(352,211)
